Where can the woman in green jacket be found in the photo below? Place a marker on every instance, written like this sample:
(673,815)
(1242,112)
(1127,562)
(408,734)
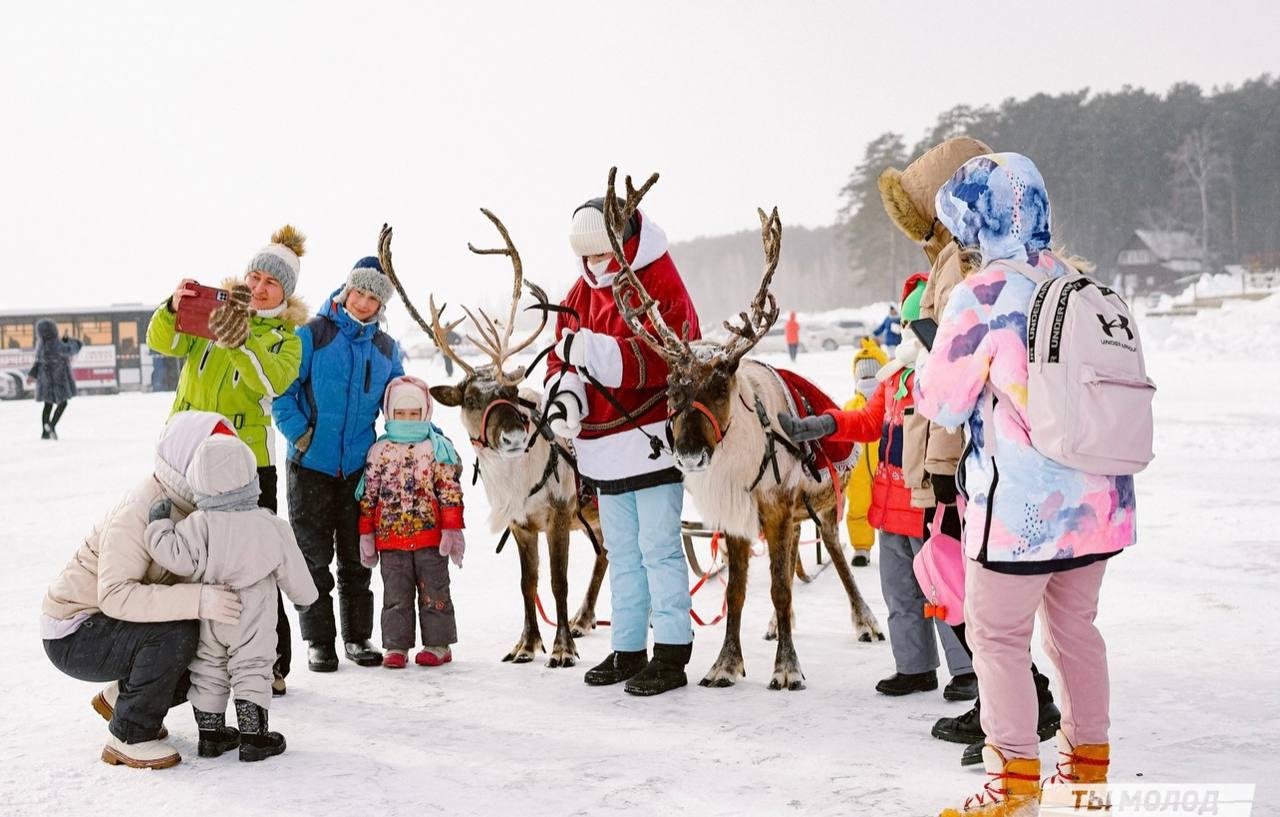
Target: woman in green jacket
(255,356)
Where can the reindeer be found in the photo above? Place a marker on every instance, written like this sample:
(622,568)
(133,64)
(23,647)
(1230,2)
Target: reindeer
(741,483)
(528,477)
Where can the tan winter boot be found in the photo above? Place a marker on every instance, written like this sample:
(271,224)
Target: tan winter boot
(1012,791)
(1078,767)
(147,754)
(104,703)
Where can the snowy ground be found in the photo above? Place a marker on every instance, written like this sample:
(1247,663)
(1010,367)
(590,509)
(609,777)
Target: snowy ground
(1189,615)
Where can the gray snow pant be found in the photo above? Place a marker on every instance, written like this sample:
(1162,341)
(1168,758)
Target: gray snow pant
(237,656)
(910,633)
(425,572)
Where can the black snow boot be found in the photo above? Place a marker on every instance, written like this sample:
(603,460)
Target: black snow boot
(615,669)
(256,742)
(1049,718)
(963,687)
(906,683)
(965,729)
(321,657)
(215,736)
(664,673)
(363,653)
(1048,722)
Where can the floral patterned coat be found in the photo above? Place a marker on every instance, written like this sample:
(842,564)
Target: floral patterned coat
(409,497)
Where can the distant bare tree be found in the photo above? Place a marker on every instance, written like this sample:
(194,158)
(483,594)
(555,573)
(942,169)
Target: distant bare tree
(1201,167)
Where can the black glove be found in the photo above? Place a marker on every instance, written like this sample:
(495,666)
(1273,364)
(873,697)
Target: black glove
(160,509)
(944,488)
(803,429)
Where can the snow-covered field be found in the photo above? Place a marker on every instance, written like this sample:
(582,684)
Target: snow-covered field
(1189,615)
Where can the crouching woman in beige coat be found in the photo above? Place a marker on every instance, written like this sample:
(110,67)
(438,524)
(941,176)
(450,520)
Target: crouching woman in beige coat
(114,615)
(230,541)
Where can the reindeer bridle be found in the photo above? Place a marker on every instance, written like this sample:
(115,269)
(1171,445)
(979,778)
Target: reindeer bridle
(705,411)
(482,441)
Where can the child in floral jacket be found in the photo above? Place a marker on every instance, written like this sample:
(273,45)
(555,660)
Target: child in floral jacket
(411,518)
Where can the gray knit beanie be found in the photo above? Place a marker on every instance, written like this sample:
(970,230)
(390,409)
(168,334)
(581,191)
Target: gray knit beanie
(280,258)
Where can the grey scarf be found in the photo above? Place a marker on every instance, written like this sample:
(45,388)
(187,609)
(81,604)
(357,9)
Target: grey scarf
(241,499)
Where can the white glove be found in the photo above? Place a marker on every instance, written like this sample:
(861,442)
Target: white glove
(219,604)
(572,346)
(567,419)
(453,543)
(907,350)
(598,353)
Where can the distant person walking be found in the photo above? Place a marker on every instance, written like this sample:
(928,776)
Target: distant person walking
(889,332)
(793,336)
(55,384)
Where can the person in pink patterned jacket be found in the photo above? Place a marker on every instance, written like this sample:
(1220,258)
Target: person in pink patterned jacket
(1038,533)
(411,519)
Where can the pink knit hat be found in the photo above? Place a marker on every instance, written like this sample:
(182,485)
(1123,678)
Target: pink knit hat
(407,392)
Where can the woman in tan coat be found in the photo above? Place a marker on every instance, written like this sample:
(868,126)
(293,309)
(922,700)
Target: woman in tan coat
(114,615)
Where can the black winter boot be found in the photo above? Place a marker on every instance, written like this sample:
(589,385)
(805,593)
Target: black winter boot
(1047,724)
(256,742)
(215,736)
(363,653)
(962,687)
(322,657)
(664,673)
(615,669)
(906,683)
(965,729)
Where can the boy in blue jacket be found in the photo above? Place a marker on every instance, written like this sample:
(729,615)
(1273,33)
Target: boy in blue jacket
(328,417)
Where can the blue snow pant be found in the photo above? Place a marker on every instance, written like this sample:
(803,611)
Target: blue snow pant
(911,635)
(647,573)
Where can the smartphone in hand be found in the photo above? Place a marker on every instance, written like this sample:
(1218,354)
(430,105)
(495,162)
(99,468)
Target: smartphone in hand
(194,310)
(926,329)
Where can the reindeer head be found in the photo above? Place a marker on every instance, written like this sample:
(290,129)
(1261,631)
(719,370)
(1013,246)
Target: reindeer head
(492,411)
(702,375)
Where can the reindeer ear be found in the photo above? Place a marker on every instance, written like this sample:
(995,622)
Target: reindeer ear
(447,395)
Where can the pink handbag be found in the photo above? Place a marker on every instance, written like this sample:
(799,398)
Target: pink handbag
(939,568)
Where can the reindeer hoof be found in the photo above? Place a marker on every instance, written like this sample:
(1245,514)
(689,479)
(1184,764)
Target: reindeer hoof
(792,686)
(557,662)
(771,635)
(716,683)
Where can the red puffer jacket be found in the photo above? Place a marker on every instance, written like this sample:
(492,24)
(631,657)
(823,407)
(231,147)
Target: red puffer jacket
(881,419)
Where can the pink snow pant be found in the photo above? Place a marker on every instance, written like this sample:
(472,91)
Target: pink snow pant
(1000,611)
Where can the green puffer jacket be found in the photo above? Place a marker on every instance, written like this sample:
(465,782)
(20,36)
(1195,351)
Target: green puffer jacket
(239,383)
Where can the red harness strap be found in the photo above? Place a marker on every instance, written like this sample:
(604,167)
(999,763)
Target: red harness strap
(711,418)
(483,440)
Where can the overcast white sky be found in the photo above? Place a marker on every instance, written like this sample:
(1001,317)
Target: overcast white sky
(142,142)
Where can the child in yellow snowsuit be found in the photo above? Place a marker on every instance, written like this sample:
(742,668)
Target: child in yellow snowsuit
(868,360)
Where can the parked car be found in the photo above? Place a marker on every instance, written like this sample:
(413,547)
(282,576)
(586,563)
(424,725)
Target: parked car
(838,335)
(13,384)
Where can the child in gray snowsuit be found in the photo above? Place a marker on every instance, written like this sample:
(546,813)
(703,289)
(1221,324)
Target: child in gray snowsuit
(230,541)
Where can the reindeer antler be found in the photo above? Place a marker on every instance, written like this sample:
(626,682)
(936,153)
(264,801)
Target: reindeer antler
(439,335)
(764,307)
(634,303)
(496,335)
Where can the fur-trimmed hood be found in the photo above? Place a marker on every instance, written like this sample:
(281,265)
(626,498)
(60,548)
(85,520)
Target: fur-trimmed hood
(295,311)
(908,195)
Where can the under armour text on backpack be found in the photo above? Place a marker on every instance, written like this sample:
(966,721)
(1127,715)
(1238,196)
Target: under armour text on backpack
(1088,394)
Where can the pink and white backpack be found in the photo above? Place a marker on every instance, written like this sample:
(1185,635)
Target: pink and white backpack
(1088,394)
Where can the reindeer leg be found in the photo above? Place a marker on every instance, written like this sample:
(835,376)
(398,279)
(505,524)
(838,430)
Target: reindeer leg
(864,621)
(780,533)
(563,651)
(530,642)
(585,621)
(728,667)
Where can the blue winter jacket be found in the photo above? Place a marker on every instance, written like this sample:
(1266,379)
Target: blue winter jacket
(889,332)
(346,366)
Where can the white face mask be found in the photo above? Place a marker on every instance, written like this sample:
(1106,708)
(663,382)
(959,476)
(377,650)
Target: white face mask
(598,268)
(907,350)
(866,386)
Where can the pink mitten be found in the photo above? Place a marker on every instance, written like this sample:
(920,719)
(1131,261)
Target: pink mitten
(453,543)
(368,551)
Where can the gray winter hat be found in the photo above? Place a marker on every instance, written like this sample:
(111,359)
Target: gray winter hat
(280,258)
(367,274)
